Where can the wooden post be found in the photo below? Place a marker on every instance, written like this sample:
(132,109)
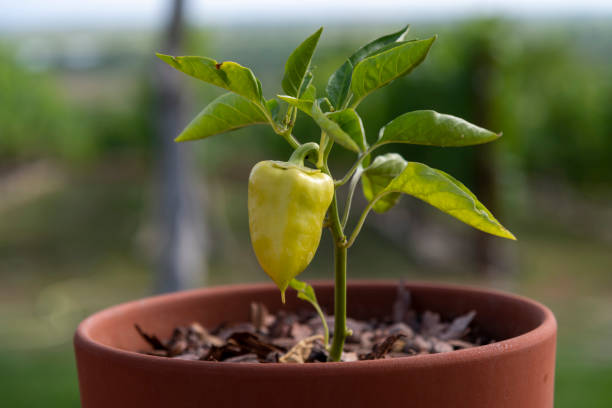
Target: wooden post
(181,226)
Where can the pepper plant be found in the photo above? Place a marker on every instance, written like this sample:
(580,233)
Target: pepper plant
(291,202)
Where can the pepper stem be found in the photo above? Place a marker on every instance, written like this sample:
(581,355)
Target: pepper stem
(299,154)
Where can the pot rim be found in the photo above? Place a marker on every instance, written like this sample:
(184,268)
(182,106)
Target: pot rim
(539,334)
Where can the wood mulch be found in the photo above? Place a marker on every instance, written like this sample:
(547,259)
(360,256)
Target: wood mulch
(287,337)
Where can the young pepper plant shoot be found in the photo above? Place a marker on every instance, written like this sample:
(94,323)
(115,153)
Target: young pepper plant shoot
(290,203)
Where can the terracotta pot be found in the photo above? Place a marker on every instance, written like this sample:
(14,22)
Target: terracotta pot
(516,372)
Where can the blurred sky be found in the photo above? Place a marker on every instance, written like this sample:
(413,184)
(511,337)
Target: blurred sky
(26,15)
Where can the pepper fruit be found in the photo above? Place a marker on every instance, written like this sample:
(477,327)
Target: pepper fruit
(287,204)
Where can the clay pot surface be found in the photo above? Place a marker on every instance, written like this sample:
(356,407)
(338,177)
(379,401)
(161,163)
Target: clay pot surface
(515,372)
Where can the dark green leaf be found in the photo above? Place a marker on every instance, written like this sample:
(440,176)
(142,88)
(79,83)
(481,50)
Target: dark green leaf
(448,195)
(378,175)
(339,83)
(333,129)
(380,69)
(273,108)
(227,112)
(309,94)
(351,123)
(298,63)
(426,127)
(228,75)
(373,47)
(325,105)
(306,86)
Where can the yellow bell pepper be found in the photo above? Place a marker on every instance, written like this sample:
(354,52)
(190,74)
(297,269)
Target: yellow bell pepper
(287,204)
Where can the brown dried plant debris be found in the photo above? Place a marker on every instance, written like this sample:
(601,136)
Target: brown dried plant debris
(287,337)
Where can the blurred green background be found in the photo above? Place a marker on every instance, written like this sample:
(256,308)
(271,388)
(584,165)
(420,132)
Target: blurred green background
(85,120)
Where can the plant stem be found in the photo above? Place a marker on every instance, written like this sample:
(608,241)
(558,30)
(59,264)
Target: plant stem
(361,157)
(340,251)
(351,193)
(362,218)
(324,322)
(300,153)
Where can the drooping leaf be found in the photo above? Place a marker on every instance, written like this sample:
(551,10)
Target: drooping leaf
(380,69)
(351,123)
(339,83)
(228,75)
(378,175)
(298,63)
(442,191)
(333,129)
(427,127)
(306,292)
(227,112)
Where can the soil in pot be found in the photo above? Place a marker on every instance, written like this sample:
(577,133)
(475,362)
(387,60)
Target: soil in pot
(297,337)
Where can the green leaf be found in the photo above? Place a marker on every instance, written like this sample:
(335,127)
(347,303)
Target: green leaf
(298,63)
(273,107)
(306,292)
(446,194)
(305,102)
(345,128)
(333,129)
(309,94)
(380,69)
(378,175)
(351,123)
(228,75)
(339,83)
(306,86)
(426,127)
(303,105)
(227,112)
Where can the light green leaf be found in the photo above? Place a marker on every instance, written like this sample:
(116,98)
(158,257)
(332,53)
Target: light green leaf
(227,112)
(228,75)
(333,129)
(298,63)
(426,127)
(380,69)
(378,175)
(446,194)
(339,83)
(303,105)
(351,123)
(306,292)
